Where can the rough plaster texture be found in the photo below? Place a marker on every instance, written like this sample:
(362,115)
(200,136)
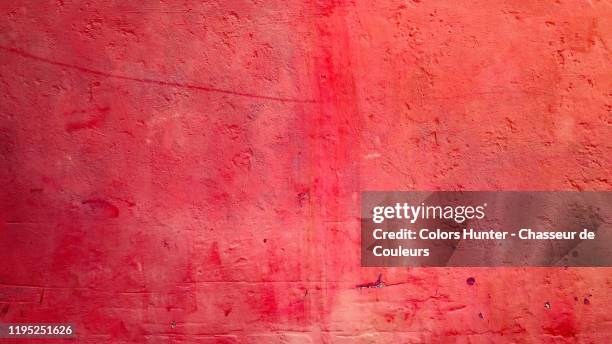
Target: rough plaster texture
(185,171)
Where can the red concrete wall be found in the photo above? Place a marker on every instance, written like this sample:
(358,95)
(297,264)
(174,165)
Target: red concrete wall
(185,171)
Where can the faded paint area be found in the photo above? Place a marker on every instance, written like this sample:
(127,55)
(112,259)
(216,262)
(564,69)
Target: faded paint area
(179,172)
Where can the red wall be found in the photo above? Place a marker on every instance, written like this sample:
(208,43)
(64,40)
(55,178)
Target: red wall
(179,171)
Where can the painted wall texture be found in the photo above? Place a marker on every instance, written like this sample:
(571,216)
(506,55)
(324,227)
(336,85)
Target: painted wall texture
(186,171)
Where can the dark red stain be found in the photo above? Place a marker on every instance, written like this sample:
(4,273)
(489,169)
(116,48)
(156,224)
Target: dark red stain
(214,256)
(265,303)
(376,284)
(563,325)
(95,118)
(227,310)
(297,307)
(101,208)
(4,310)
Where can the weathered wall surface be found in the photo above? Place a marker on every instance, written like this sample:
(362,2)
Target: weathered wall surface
(184,171)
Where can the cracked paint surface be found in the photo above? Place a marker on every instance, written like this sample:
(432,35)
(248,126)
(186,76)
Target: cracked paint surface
(178,172)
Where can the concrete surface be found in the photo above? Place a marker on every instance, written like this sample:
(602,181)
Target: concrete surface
(186,171)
